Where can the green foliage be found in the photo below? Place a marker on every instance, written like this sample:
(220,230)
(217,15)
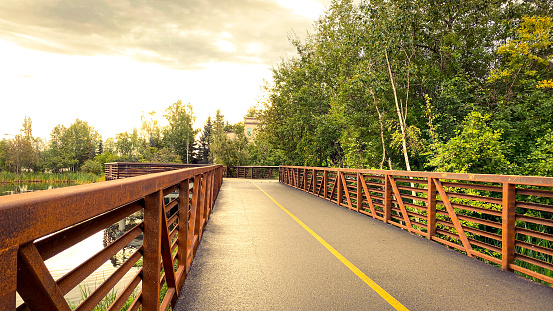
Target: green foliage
(540,161)
(106,157)
(92,167)
(380,82)
(179,134)
(204,144)
(163,155)
(476,149)
(106,302)
(70,147)
(39,177)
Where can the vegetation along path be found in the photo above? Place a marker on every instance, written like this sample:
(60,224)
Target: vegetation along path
(271,247)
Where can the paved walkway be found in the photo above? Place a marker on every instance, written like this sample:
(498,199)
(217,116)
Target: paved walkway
(255,256)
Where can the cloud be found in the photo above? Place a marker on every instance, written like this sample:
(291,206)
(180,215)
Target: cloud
(180,34)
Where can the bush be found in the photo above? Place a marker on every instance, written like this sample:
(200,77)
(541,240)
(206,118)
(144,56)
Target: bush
(91,166)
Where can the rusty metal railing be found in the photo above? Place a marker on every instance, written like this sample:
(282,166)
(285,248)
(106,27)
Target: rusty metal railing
(503,220)
(119,170)
(252,172)
(37,226)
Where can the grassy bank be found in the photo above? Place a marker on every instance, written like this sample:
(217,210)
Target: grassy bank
(66,177)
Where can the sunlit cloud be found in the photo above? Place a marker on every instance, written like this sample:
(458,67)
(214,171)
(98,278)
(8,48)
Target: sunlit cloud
(107,61)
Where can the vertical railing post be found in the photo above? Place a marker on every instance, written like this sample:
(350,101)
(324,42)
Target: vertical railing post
(387,199)
(305,179)
(152,250)
(325,183)
(184,204)
(508,226)
(339,187)
(196,211)
(8,281)
(358,187)
(314,181)
(202,206)
(431,210)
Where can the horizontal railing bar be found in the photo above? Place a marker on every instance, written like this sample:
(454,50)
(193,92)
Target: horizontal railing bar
(57,243)
(531,273)
(77,275)
(472,208)
(511,179)
(535,220)
(534,247)
(171,204)
(487,257)
(535,192)
(534,261)
(91,301)
(535,206)
(471,197)
(170,190)
(472,186)
(535,234)
(122,298)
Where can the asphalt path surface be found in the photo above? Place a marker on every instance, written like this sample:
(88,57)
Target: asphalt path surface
(255,256)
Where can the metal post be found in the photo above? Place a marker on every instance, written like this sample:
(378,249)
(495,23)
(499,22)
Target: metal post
(387,199)
(184,203)
(152,250)
(339,188)
(359,193)
(508,227)
(325,182)
(8,281)
(431,212)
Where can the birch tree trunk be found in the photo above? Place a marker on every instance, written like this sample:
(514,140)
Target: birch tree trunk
(400,115)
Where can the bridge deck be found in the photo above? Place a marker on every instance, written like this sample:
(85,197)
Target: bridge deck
(255,256)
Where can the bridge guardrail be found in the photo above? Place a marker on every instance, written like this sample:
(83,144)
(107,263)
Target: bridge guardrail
(37,226)
(252,172)
(119,170)
(503,220)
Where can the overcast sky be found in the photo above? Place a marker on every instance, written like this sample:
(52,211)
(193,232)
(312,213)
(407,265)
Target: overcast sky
(109,61)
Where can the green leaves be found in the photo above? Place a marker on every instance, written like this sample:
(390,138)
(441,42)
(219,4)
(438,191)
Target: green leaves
(476,149)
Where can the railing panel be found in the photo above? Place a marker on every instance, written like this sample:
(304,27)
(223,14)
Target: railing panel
(503,220)
(37,226)
(252,172)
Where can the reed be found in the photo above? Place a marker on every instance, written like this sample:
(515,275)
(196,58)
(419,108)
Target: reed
(106,302)
(65,177)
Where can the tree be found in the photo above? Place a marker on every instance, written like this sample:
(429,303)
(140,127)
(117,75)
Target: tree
(204,143)
(540,161)
(21,152)
(129,145)
(71,147)
(150,130)
(477,148)
(92,167)
(179,133)
(520,87)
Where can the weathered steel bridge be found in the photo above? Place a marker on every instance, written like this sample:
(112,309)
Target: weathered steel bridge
(271,246)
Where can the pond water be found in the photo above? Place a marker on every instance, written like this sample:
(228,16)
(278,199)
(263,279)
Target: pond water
(16,188)
(67,260)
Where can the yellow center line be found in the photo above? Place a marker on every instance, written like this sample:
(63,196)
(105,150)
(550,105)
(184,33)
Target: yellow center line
(379,290)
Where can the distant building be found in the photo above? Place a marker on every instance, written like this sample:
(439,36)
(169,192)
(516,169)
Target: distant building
(250,127)
(231,135)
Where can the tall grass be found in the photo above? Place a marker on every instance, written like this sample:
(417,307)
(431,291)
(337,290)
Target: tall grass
(65,177)
(106,302)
